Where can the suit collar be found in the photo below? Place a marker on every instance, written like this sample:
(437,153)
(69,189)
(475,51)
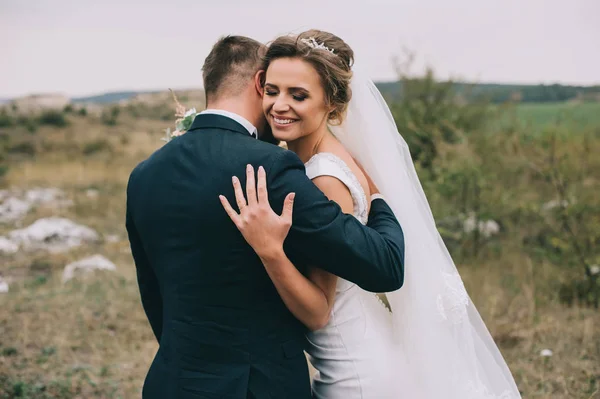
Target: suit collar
(215,121)
(236,117)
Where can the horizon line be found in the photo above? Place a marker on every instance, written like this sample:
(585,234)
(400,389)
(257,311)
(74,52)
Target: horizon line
(379,81)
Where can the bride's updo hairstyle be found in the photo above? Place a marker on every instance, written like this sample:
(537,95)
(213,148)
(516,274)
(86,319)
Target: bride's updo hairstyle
(331,57)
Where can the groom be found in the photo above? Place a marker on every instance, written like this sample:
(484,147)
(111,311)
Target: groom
(223,330)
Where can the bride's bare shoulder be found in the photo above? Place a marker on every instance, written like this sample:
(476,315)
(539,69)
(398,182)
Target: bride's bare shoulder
(335,191)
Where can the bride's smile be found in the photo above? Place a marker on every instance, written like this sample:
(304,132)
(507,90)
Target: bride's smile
(294,100)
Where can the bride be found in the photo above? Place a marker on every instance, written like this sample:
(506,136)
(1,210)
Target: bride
(433,343)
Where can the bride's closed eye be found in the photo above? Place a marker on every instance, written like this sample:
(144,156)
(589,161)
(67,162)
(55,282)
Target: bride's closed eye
(271,93)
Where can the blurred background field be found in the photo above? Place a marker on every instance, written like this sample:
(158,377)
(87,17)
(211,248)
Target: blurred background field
(504,129)
(513,186)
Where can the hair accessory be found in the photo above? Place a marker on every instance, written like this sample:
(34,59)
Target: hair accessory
(311,42)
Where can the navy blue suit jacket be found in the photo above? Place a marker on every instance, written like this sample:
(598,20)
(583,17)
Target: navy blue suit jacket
(222,328)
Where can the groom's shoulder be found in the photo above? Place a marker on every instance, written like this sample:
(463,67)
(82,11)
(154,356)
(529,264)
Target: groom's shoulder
(136,171)
(145,166)
(158,156)
(280,157)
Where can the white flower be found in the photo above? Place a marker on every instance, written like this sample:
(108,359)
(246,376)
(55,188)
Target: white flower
(167,137)
(546,353)
(487,228)
(190,112)
(555,204)
(595,269)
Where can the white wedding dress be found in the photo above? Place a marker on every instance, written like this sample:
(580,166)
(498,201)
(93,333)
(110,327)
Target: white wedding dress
(354,354)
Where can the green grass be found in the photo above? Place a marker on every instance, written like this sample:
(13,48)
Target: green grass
(578,116)
(568,117)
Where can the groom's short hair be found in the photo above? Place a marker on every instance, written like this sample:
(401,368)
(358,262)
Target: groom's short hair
(232,62)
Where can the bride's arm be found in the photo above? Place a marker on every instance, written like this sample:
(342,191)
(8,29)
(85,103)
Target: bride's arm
(309,299)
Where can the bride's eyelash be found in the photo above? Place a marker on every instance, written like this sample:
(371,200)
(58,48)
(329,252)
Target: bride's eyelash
(297,98)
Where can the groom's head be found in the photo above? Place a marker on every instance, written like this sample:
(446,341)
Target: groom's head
(229,75)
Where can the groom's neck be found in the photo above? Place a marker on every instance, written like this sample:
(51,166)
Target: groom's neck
(236,105)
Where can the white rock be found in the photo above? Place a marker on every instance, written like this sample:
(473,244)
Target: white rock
(47,196)
(12,209)
(43,195)
(594,269)
(87,265)
(53,234)
(3,286)
(546,353)
(92,193)
(7,246)
(16,204)
(112,238)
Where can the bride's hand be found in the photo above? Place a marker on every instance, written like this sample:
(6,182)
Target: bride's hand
(261,227)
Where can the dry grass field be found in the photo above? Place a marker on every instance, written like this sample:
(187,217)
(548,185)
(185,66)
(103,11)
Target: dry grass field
(89,338)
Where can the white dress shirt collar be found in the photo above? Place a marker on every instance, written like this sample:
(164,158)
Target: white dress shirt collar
(239,119)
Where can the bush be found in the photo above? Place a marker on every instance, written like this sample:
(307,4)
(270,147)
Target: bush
(3,170)
(537,184)
(3,163)
(96,146)
(22,148)
(5,119)
(156,112)
(53,118)
(109,116)
(430,114)
(31,124)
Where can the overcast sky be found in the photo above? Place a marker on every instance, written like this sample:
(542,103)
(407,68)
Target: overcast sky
(80,47)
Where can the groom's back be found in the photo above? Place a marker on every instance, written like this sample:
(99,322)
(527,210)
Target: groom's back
(218,304)
(187,234)
(189,239)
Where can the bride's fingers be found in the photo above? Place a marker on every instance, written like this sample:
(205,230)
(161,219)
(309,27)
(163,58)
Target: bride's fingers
(250,185)
(263,196)
(233,215)
(239,194)
(288,208)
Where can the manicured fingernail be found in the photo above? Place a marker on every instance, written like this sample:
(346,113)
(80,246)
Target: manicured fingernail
(292,196)
(234,179)
(261,169)
(248,167)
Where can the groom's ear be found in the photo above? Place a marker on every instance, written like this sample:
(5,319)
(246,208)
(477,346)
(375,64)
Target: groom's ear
(259,80)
